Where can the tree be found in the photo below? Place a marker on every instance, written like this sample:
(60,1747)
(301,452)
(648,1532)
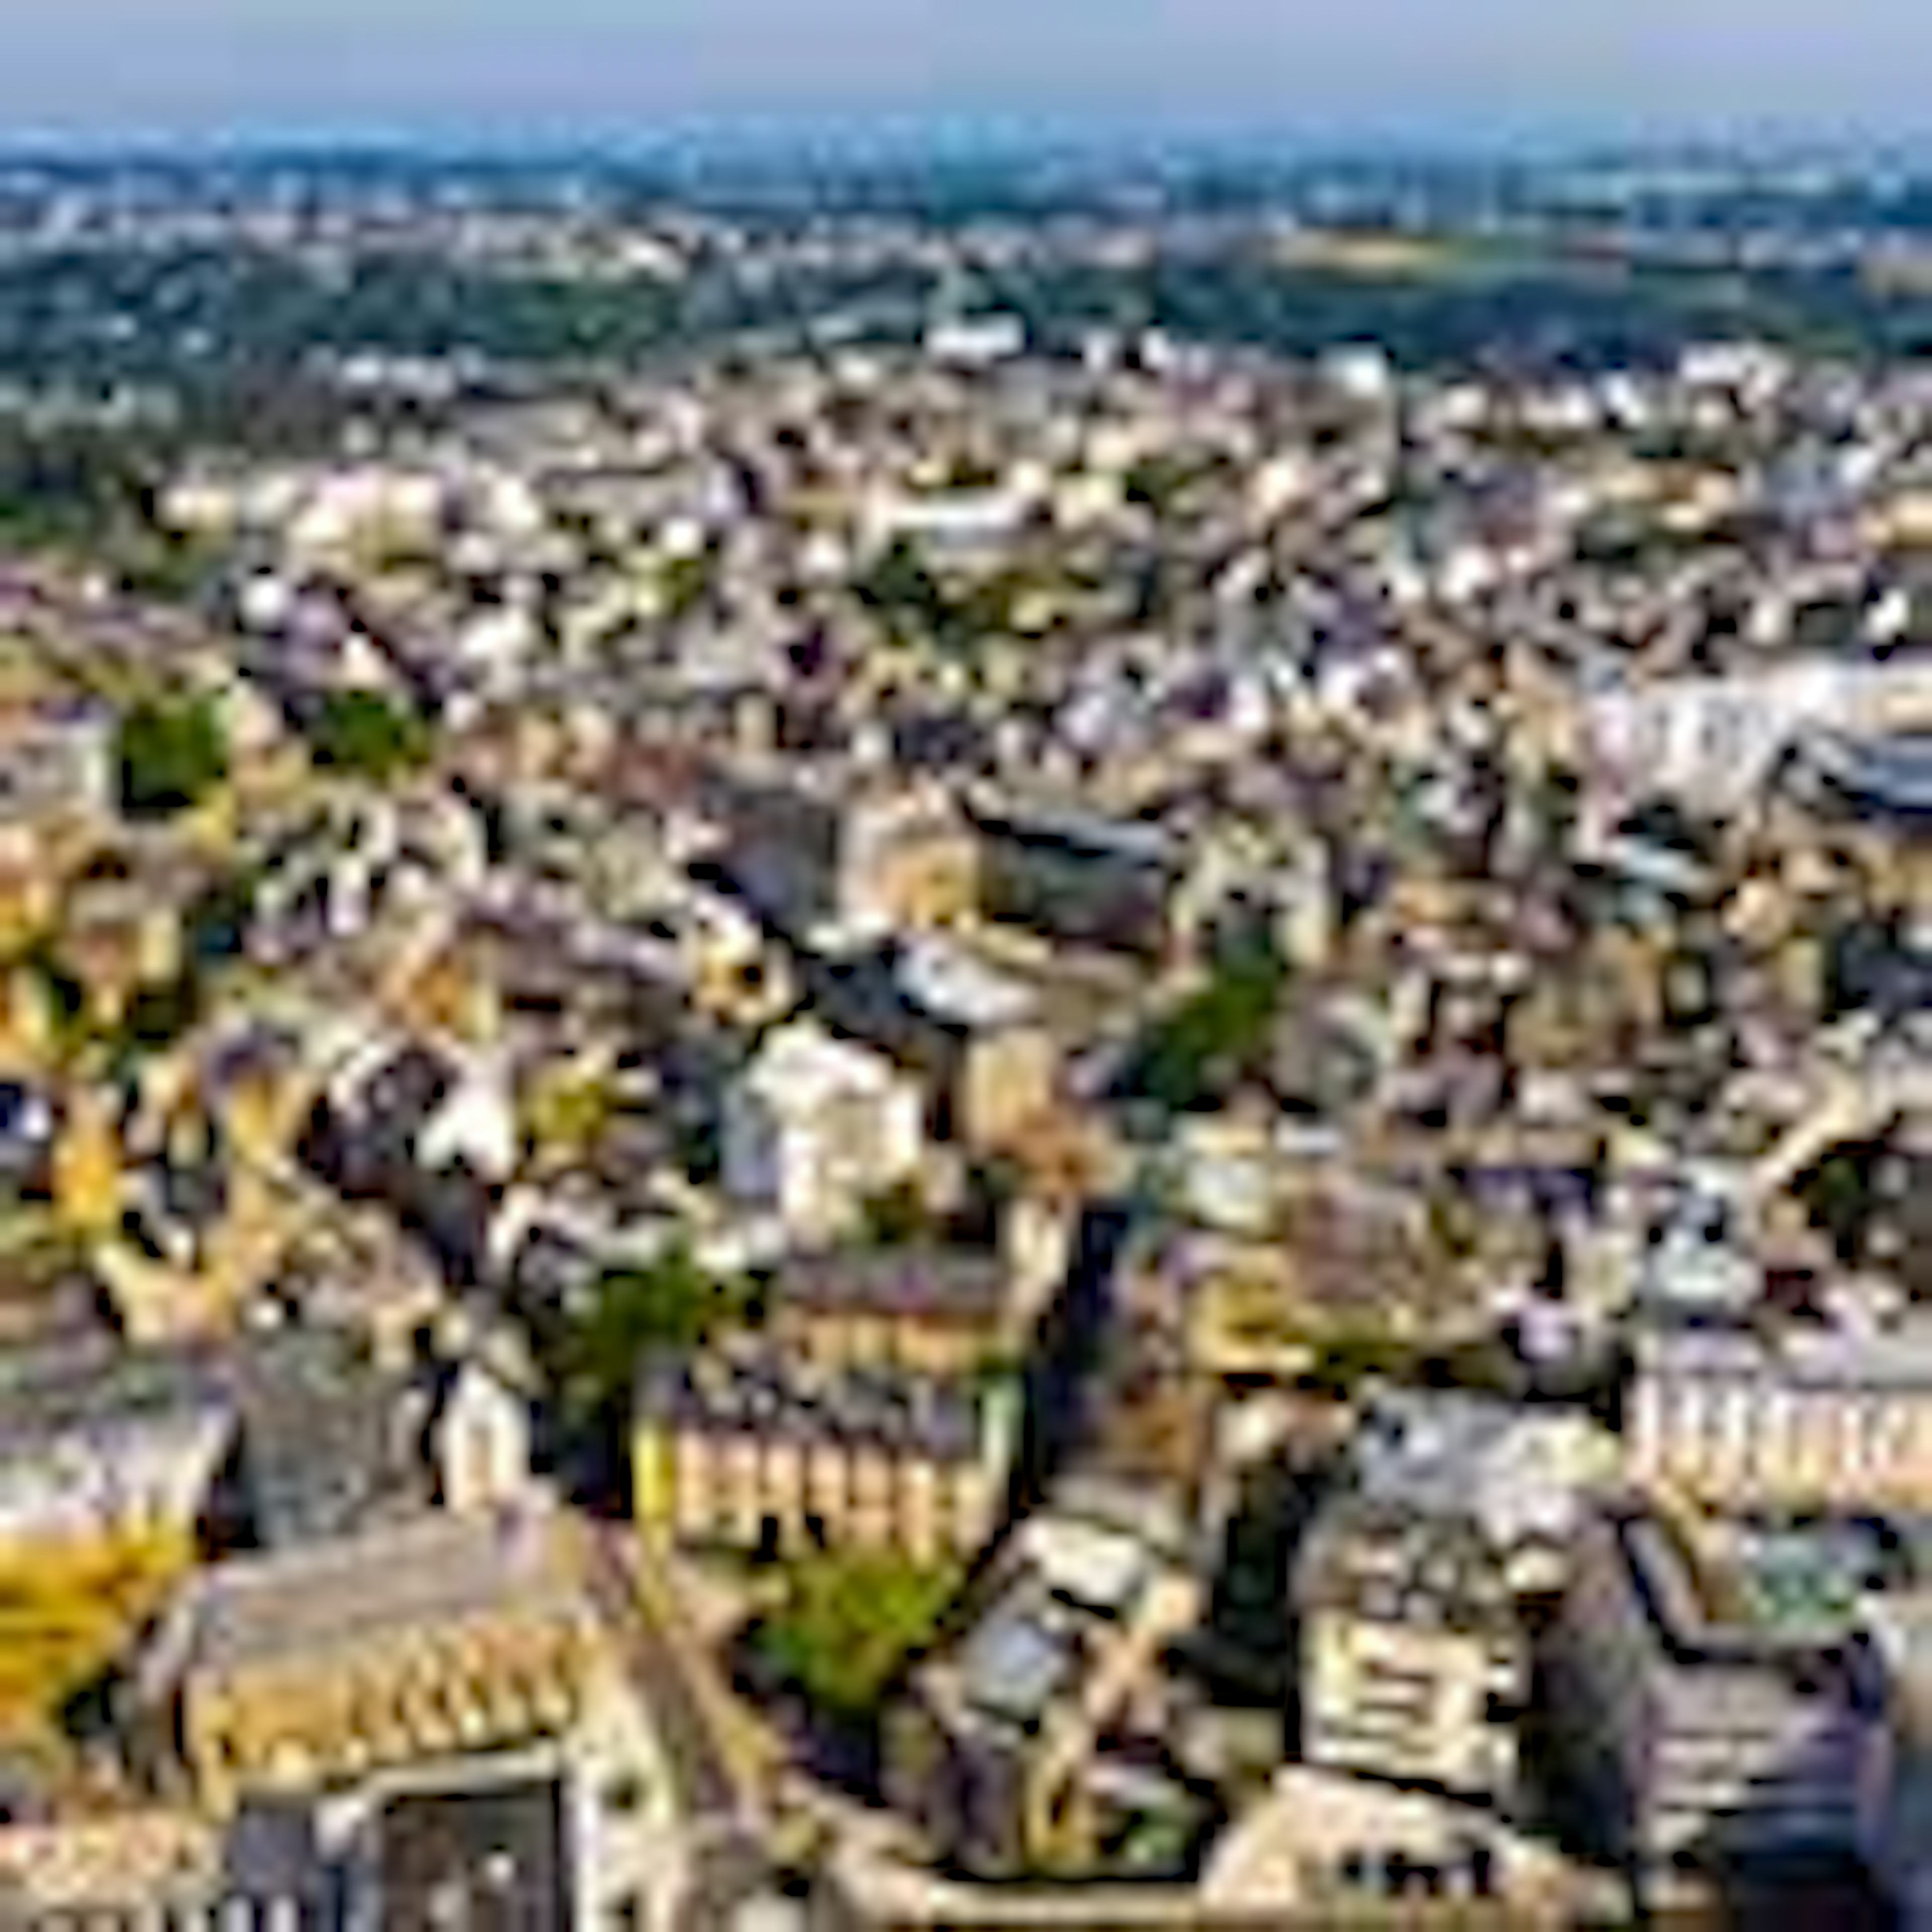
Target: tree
(898,1217)
(172,754)
(367,735)
(670,1304)
(912,606)
(850,1622)
(1210,1037)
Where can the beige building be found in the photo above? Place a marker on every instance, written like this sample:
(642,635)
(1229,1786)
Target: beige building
(759,1452)
(334,1662)
(1821,1421)
(934,1311)
(1414,1663)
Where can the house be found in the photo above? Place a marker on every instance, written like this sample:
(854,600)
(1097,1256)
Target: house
(1014,1747)
(814,1126)
(1710,1712)
(754,1451)
(1414,1663)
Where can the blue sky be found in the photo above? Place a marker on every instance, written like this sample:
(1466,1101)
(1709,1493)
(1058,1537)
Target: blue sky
(553,67)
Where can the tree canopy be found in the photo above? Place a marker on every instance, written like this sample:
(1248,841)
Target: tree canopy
(1188,1055)
(366,734)
(850,1621)
(670,1302)
(171,753)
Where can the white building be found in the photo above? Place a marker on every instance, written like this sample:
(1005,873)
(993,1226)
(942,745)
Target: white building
(476,1123)
(1414,1663)
(816,1127)
(1714,741)
(481,1441)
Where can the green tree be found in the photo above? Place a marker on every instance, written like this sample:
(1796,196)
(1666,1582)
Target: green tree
(670,1303)
(1208,1038)
(898,1217)
(367,735)
(850,1623)
(172,754)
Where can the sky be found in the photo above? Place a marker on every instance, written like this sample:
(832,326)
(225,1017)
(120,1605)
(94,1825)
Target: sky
(549,69)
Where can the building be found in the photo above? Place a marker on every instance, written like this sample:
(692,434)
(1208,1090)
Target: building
(517,1844)
(818,869)
(96,1441)
(1520,1475)
(1014,1747)
(1714,741)
(1317,1851)
(756,1451)
(1711,1714)
(934,1310)
(1895,1837)
(1078,881)
(976,1037)
(1414,1664)
(816,1127)
(332,1664)
(135,1871)
(1816,1419)
(480,1442)
(496,1855)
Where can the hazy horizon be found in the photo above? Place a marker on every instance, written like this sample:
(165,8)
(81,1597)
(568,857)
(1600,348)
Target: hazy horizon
(483,70)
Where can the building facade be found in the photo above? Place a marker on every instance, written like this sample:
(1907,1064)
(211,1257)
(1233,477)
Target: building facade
(762,1452)
(1697,1736)
(1414,1666)
(1833,1421)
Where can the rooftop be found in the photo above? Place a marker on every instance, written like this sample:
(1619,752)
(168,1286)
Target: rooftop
(765,1394)
(958,1284)
(1805,1357)
(434,1570)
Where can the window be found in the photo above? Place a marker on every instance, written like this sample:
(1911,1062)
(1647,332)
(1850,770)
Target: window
(622,1796)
